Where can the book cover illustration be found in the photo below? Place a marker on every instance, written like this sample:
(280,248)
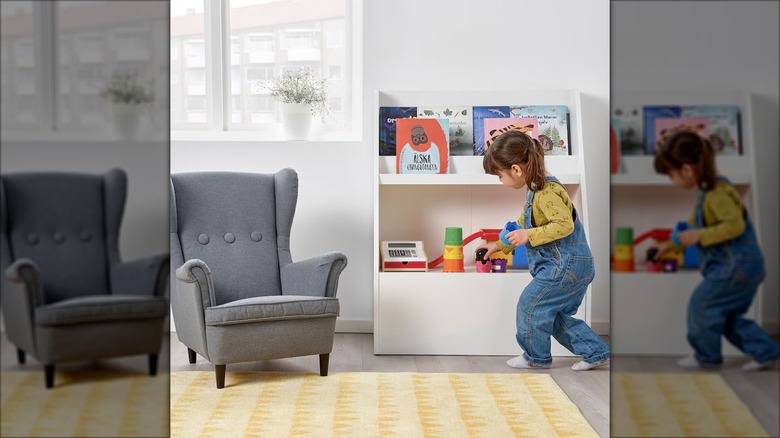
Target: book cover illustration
(724,126)
(387,118)
(629,119)
(461,126)
(649,114)
(481,113)
(422,145)
(495,127)
(553,126)
(666,127)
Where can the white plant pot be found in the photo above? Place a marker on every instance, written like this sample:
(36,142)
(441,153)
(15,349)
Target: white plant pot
(296,118)
(127,119)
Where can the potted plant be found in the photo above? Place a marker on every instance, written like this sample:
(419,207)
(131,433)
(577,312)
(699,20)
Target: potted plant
(300,96)
(129,98)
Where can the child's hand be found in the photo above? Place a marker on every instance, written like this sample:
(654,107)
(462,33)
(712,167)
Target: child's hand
(490,247)
(661,248)
(518,237)
(688,237)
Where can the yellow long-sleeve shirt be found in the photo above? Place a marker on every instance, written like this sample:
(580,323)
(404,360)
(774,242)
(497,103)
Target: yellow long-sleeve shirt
(723,215)
(551,217)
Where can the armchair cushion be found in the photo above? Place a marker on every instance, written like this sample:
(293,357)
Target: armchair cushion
(96,308)
(271,308)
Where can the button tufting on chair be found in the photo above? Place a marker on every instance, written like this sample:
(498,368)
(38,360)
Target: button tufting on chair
(256,236)
(230,238)
(203,239)
(32,239)
(85,236)
(58,237)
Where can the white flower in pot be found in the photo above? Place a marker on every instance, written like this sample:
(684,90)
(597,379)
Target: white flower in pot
(129,98)
(300,96)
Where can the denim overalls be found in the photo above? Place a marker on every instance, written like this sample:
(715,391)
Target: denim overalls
(732,271)
(561,271)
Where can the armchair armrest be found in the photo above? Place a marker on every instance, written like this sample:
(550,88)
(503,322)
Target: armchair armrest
(317,276)
(145,276)
(22,291)
(194,292)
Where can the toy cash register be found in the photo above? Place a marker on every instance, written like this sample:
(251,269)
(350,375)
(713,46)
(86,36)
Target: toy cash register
(403,256)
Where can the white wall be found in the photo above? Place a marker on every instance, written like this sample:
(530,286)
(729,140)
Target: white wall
(435,45)
(712,46)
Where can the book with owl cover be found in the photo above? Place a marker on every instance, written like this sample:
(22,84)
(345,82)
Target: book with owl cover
(481,113)
(387,118)
(649,114)
(495,127)
(724,126)
(629,120)
(553,126)
(461,126)
(422,145)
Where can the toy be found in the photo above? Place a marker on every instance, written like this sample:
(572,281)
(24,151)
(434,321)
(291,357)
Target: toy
(403,256)
(669,265)
(483,265)
(499,266)
(624,250)
(453,249)
(520,258)
(691,254)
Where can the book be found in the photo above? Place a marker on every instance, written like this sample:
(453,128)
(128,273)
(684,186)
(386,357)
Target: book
(461,126)
(553,126)
(724,126)
(614,146)
(666,127)
(422,145)
(629,120)
(497,126)
(649,114)
(387,118)
(484,112)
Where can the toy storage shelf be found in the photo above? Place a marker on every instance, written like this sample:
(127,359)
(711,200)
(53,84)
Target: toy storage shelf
(465,313)
(648,310)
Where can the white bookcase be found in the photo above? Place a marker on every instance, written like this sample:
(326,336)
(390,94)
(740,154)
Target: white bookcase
(648,310)
(466,313)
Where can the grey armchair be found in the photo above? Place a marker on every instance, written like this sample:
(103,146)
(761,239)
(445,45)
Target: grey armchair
(237,296)
(66,295)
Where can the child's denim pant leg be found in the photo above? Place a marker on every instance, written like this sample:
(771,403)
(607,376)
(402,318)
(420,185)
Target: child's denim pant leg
(716,309)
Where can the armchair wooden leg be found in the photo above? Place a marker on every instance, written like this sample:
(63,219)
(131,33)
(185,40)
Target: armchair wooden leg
(220,369)
(49,372)
(191,354)
(324,364)
(20,356)
(153,364)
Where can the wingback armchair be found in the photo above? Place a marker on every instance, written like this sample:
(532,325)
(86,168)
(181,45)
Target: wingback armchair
(66,295)
(237,296)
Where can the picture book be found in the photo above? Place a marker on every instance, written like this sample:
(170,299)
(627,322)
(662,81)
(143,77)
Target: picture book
(630,131)
(387,118)
(461,126)
(614,146)
(481,113)
(724,126)
(495,127)
(553,128)
(666,127)
(422,145)
(650,113)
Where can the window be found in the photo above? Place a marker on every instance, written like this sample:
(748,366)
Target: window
(57,57)
(231,47)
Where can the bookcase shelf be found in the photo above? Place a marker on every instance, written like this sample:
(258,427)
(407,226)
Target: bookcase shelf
(458,313)
(648,309)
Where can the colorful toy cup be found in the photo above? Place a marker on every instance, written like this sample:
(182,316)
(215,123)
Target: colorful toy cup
(499,266)
(670,265)
(624,250)
(453,249)
(483,265)
(652,264)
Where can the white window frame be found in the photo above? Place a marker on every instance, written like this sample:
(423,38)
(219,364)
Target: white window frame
(218,87)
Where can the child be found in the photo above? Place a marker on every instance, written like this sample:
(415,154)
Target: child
(559,258)
(730,258)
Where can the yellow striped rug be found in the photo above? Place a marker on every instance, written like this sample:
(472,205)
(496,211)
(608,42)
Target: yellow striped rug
(274,404)
(678,405)
(84,404)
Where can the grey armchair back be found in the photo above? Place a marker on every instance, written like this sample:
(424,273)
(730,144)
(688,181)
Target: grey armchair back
(237,295)
(66,295)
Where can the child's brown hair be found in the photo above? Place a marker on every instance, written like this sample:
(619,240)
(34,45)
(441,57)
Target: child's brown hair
(685,147)
(514,147)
